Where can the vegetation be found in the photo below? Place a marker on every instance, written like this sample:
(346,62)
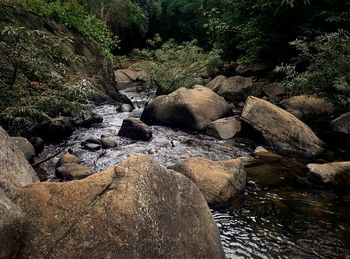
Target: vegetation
(175,65)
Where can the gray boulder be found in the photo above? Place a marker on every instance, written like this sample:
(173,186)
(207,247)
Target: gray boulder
(134,128)
(25,146)
(341,124)
(225,128)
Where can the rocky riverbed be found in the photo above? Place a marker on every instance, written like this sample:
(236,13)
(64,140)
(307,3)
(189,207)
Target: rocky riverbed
(282,213)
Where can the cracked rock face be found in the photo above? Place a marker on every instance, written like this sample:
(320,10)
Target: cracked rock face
(134,210)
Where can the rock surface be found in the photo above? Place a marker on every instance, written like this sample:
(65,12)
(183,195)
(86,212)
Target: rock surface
(73,171)
(128,75)
(219,181)
(67,159)
(135,210)
(341,124)
(280,128)
(225,128)
(11,225)
(336,173)
(25,146)
(192,109)
(234,89)
(134,128)
(14,168)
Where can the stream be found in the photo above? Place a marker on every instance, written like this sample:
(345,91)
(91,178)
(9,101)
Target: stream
(282,214)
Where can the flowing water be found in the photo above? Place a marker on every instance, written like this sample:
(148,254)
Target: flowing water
(282,214)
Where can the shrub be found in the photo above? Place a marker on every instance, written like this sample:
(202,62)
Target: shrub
(328,71)
(176,65)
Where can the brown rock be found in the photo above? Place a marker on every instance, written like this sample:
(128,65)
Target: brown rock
(187,108)
(134,210)
(341,124)
(336,173)
(67,159)
(280,128)
(225,128)
(73,171)
(25,146)
(134,128)
(219,181)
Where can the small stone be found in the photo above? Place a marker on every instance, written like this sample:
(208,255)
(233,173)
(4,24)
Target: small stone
(66,159)
(73,171)
(108,143)
(125,108)
(91,146)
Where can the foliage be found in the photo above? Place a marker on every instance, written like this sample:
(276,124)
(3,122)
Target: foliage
(72,14)
(30,89)
(327,73)
(176,65)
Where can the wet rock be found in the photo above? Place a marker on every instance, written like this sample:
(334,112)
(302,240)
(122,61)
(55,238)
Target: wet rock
(225,128)
(25,146)
(308,108)
(93,140)
(192,109)
(134,128)
(219,181)
(67,159)
(336,173)
(38,144)
(341,124)
(11,226)
(14,167)
(91,146)
(87,120)
(108,143)
(55,131)
(262,153)
(125,108)
(152,151)
(280,128)
(137,209)
(73,171)
(234,89)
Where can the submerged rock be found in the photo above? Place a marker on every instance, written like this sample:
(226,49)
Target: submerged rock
(234,89)
(219,181)
(134,128)
(191,109)
(280,128)
(137,209)
(25,146)
(336,173)
(225,128)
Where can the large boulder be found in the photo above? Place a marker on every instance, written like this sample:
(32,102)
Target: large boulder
(14,167)
(235,89)
(341,124)
(25,146)
(134,128)
(308,108)
(280,128)
(187,108)
(137,209)
(11,225)
(225,128)
(219,181)
(336,173)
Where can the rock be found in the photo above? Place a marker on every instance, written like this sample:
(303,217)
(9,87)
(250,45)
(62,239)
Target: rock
(341,124)
(108,143)
(257,69)
(125,108)
(14,167)
(25,146)
(11,226)
(274,90)
(87,120)
(234,89)
(67,159)
(91,146)
(55,131)
(192,109)
(225,128)
(219,181)
(73,171)
(42,172)
(308,108)
(262,153)
(129,75)
(135,129)
(137,209)
(336,173)
(280,128)
(38,144)
(93,140)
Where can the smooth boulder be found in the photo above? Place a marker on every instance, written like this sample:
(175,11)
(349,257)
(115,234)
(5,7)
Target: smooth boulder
(134,128)
(25,146)
(67,159)
(73,171)
(280,128)
(219,181)
(137,209)
(225,128)
(336,173)
(191,109)
(234,89)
